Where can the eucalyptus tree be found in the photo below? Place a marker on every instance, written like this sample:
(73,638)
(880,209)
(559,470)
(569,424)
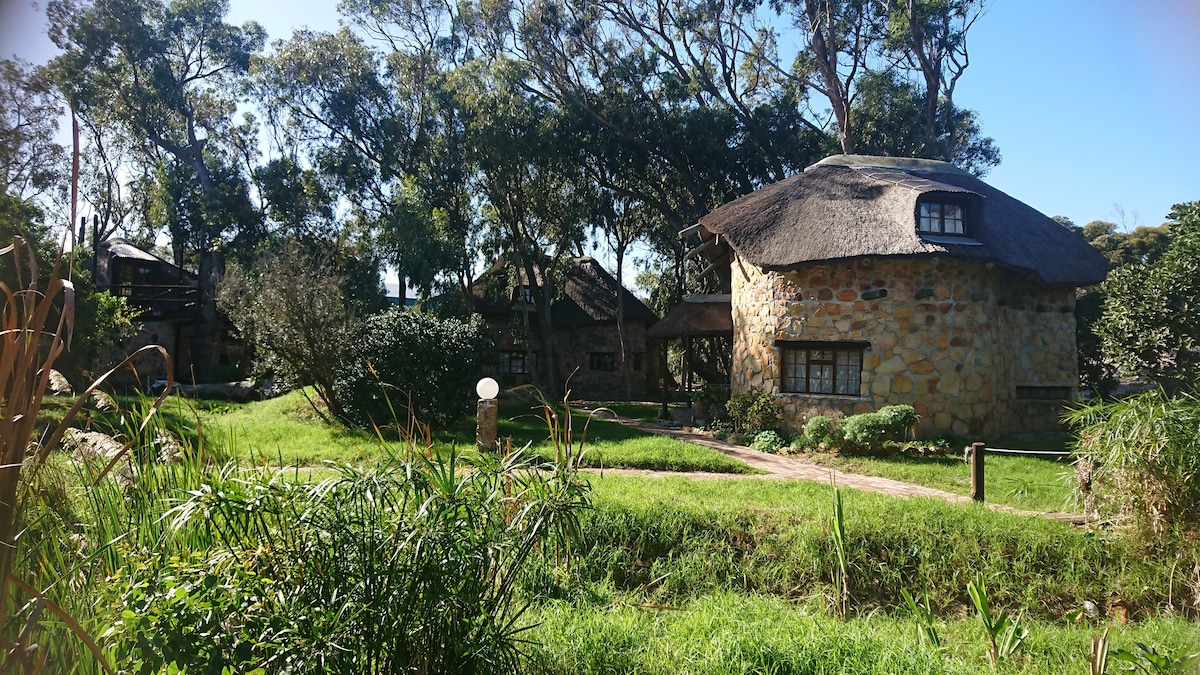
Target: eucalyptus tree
(889,120)
(166,72)
(537,202)
(378,128)
(929,37)
(169,72)
(31,162)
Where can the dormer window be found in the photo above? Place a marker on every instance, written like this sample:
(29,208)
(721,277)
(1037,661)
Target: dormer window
(941,218)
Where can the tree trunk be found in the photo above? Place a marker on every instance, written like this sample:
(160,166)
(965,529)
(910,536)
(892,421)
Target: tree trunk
(626,378)
(208,336)
(542,295)
(529,363)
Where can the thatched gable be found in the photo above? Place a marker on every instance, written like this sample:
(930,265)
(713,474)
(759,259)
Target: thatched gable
(589,296)
(702,315)
(854,206)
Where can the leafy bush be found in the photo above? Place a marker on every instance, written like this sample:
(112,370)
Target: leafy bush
(1145,454)
(291,306)
(400,356)
(817,429)
(869,430)
(768,441)
(753,411)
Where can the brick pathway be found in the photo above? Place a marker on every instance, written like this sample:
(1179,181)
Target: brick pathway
(797,468)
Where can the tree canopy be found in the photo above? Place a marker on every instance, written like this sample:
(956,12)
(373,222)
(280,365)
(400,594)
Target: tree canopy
(1151,321)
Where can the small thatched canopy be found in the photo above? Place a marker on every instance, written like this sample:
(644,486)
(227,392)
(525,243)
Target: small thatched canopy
(698,316)
(589,296)
(855,206)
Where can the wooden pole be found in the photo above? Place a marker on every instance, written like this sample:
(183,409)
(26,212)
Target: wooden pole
(977,453)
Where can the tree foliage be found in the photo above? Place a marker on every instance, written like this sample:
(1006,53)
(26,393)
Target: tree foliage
(1151,322)
(169,73)
(290,305)
(31,163)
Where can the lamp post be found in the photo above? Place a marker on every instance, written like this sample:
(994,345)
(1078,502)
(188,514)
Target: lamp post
(486,412)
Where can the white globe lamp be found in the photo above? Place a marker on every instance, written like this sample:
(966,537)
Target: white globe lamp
(487,389)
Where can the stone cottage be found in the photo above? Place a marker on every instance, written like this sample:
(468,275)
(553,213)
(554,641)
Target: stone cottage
(871,281)
(584,320)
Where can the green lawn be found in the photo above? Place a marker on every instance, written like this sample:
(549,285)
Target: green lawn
(285,431)
(1022,482)
(1029,483)
(608,444)
(724,634)
(719,576)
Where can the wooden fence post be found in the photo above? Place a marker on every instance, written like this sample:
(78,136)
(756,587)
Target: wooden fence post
(977,452)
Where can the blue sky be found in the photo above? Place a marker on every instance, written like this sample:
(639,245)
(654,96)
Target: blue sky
(1095,104)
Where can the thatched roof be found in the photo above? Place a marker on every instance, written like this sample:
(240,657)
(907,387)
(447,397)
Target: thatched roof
(698,316)
(854,206)
(118,247)
(589,296)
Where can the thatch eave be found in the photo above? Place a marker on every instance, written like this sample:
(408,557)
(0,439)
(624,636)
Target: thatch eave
(853,208)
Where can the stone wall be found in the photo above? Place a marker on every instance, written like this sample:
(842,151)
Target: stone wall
(149,368)
(952,338)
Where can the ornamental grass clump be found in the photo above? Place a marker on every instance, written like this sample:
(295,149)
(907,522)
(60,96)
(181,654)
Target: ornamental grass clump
(1144,456)
(412,565)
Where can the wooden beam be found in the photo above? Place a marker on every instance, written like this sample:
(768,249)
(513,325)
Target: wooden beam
(712,266)
(689,231)
(696,251)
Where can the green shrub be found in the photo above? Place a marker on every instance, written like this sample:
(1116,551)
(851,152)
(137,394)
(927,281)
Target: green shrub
(870,430)
(817,429)
(898,419)
(753,411)
(768,441)
(1145,457)
(405,358)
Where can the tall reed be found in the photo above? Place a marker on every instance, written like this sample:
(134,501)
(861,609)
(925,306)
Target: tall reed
(35,329)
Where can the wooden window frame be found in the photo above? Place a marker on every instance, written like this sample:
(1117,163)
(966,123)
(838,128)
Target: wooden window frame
(821,368)
(602,362)
(509,357)
(966,209)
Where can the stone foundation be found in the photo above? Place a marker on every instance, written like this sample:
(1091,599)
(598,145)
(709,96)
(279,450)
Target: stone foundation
(952,338)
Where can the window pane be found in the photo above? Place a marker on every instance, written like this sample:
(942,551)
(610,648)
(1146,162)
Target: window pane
(821,355)
(849,373)
(925,222)
(793,370)
(820,379)
(954,219)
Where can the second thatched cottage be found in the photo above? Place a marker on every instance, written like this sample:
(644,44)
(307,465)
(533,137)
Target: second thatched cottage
(869,281)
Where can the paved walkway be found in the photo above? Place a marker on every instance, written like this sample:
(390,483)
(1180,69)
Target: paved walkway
(797,468)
